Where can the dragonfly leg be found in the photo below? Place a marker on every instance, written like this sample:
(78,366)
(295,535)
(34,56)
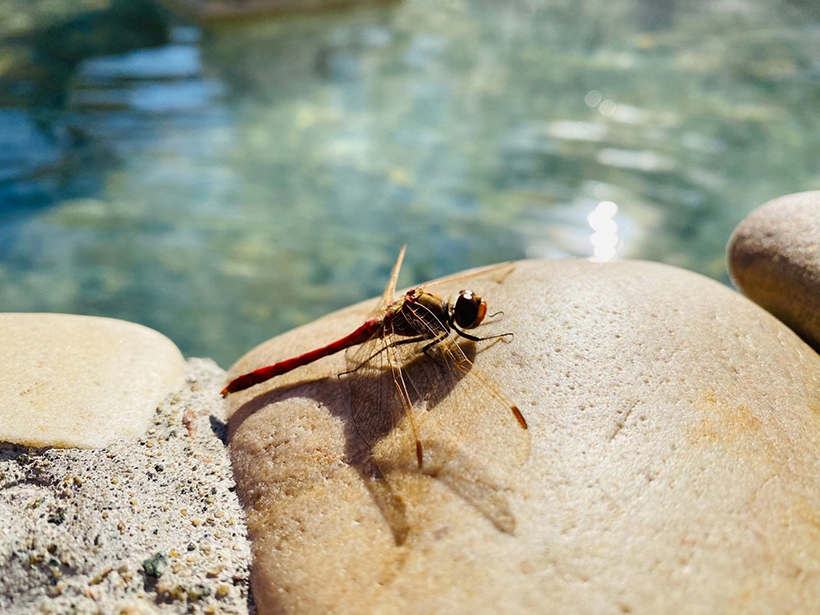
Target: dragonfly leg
(420,338)
(426,348)
(474,338)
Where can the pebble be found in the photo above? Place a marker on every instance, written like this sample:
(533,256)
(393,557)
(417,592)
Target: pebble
(774,259)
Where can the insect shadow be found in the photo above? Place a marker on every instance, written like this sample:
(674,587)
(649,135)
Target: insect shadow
(381,444)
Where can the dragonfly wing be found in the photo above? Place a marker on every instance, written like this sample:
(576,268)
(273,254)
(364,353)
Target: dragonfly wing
(423,408)
(468,402)
(461,448)
(381,419)
(390,289)
(480,410)
(492,275)
(380,406)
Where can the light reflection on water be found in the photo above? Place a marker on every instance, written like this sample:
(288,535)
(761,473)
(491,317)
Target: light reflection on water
(227,188)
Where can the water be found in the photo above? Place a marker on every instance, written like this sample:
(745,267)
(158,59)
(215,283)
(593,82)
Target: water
(223,187)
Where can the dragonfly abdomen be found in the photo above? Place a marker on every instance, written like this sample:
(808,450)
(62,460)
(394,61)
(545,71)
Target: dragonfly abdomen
(359,336)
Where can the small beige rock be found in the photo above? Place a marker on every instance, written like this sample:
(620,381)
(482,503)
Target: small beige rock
(774,258)
(68,380)
(673,466)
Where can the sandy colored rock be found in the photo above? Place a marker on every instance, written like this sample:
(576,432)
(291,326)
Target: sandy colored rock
(68,380)
(774,258)
(673,463)
(147,525)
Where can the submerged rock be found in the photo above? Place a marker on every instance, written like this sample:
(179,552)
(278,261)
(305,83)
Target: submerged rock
(68,380)
(216,10)
(774,258)
(672,461)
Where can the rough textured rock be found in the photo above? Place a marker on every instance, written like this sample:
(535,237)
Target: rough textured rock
(774,258)
(149,525)
(69,380)
(673,462)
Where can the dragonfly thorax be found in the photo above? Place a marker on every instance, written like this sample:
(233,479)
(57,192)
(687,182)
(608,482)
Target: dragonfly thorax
(423,313)
(420,313)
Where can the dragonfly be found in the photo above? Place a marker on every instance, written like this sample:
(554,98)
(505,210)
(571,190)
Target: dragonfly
(408,359)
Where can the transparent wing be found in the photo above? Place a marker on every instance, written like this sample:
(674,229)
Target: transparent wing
(390,289)
(425,408)
(493,274)
(381,401)
(466,403)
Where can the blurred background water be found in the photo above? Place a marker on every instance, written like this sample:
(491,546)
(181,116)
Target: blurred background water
(227,183)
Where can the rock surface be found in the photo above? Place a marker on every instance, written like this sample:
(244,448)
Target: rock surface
(149,525)
(774,258)
(673,462)
(68,380)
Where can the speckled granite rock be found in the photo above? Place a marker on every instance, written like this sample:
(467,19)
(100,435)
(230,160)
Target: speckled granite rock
(774,258)
(148,525)
(68,380)
(673,467)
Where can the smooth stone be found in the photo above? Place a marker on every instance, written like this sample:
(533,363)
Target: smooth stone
(774,259)
(68,380)
(673,465)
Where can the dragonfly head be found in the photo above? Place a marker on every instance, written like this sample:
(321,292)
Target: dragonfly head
(469,310)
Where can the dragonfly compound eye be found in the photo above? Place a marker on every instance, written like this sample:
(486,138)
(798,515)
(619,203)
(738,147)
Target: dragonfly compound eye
(469,310)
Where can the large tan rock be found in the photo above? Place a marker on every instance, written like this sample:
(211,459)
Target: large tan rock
(673,465)
(774,258)
(68,380)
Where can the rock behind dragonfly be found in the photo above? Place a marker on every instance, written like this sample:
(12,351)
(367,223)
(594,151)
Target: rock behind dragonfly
(673,464)
(774,258)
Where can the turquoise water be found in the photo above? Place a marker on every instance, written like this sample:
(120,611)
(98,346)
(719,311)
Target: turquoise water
(223,186)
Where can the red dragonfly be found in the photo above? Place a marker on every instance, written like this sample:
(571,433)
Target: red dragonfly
(409,358)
